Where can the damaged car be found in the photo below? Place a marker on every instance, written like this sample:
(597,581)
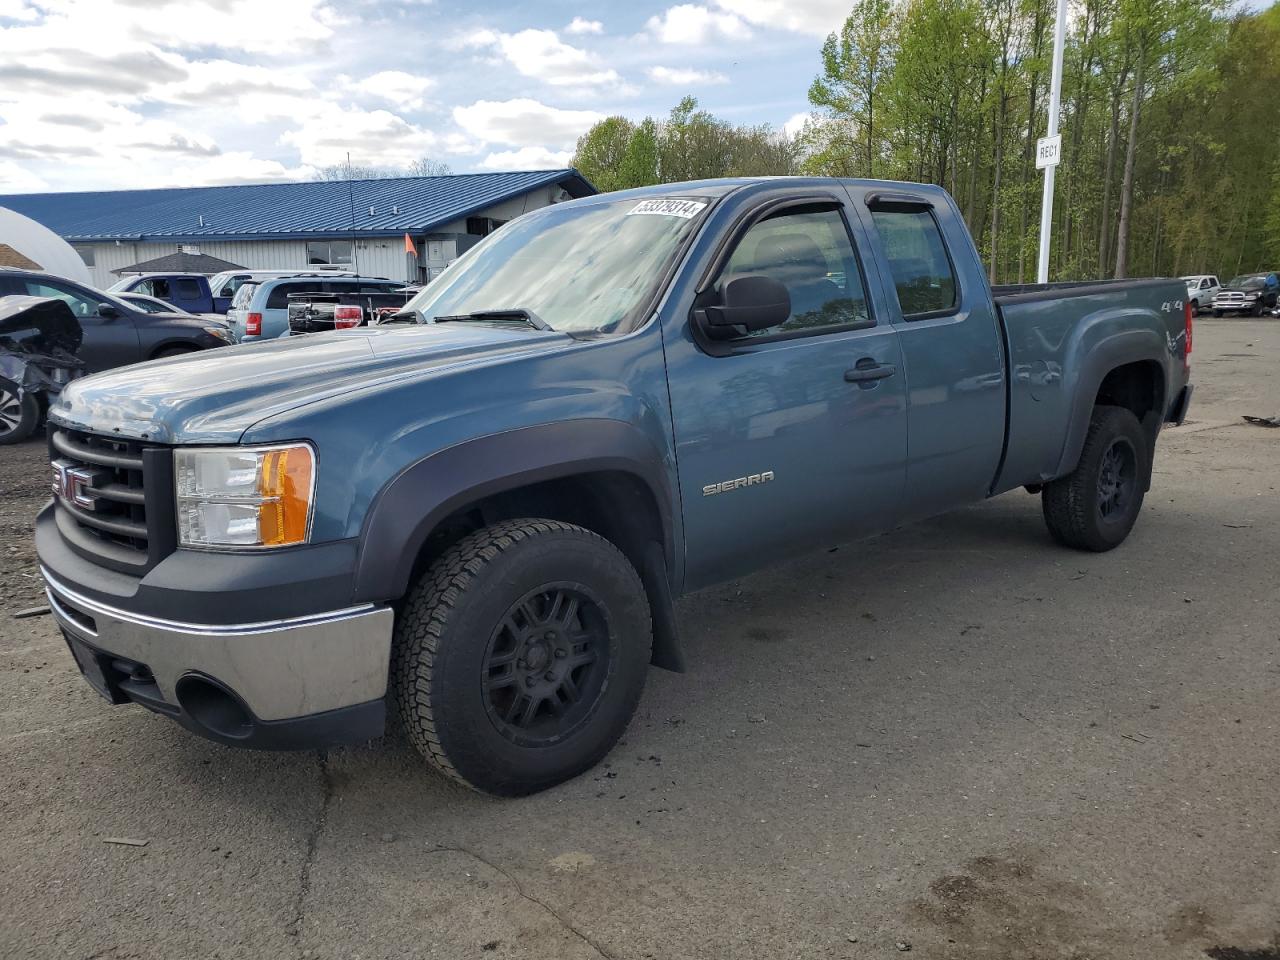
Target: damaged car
(39,337)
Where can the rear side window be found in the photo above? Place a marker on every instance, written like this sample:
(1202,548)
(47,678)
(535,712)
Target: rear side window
(918,260)
(243,296)
(278,298)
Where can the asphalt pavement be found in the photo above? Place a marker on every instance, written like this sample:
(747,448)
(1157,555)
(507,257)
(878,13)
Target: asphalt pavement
(957,740)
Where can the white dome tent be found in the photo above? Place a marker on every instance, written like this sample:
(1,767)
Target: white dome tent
(25,243)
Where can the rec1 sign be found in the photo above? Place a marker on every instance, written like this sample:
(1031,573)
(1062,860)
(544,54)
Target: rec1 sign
(1048,151)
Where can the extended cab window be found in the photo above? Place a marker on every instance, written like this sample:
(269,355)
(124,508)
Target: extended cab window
(186,289)
(918,261)
(810,254)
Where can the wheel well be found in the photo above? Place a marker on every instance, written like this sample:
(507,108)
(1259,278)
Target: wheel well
(617,505)
(172,346)
(1138,387)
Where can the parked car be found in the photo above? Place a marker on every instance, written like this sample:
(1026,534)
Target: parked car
(1201,289)
(39,337)
(224,285)
(186,291)
(357,307)
(260,311)
(1250,293)
(484,512)
(116,333)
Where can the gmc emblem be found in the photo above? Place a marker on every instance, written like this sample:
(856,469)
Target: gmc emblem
(74,484)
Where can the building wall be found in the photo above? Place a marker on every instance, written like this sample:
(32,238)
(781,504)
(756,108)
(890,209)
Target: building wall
(375,256)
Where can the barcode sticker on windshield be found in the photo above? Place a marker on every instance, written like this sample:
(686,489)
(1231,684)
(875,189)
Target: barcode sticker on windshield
(685,209)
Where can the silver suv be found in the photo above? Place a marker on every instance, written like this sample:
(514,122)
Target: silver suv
(260,311)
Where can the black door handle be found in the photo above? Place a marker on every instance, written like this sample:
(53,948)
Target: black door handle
(867,370)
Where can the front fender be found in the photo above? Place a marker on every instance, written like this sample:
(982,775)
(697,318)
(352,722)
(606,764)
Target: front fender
(406,511)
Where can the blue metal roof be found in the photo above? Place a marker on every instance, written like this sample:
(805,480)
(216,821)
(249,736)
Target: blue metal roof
(283,211)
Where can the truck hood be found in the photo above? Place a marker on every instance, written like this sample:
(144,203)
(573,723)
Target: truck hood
(215,397)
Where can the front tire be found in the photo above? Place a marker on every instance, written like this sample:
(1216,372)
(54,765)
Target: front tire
(18,417)
(1096,505)
(520,655)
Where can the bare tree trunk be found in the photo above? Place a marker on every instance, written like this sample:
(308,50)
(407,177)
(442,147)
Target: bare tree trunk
(1130,155)
(1104,231)
(1037,32)
(995,186)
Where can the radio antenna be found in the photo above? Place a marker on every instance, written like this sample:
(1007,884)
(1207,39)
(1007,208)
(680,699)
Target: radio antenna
(351,200)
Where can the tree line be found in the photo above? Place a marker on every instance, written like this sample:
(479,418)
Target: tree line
(1171,143)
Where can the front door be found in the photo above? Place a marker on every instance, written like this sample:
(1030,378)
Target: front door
(793,437)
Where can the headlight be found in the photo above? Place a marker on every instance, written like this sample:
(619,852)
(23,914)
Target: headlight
(244,496)
(222,333)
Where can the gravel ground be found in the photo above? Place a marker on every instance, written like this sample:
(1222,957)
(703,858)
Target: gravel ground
(957,739)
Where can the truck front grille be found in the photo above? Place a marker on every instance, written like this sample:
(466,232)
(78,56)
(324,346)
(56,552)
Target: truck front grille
(113,498)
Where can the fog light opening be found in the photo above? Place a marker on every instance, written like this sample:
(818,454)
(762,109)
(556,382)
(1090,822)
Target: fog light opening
(214,707)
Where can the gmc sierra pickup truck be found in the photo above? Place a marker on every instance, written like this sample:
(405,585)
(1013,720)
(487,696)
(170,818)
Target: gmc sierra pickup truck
(481,513)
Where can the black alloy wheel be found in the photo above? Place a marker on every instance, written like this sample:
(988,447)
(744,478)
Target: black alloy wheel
(1117,479)
(545,665)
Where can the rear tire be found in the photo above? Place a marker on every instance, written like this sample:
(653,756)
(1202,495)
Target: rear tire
(173,352)
(1096,505)
(520,655)
(18,417)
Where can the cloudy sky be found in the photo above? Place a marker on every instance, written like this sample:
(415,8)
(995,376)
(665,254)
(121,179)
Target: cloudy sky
(100,94)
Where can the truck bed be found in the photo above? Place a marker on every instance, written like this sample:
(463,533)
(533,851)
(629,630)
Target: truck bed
(1059,338)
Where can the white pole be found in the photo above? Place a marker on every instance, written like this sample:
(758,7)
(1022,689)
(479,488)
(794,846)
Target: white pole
(1055,97)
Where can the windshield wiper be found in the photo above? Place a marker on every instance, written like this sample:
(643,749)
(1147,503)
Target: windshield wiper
(509,313)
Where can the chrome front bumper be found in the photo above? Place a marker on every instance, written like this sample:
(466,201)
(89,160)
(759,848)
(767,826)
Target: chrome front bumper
(281,670)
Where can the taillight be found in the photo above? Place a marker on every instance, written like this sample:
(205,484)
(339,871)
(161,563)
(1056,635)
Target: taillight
(345,317)
(253,325)
(1190,312)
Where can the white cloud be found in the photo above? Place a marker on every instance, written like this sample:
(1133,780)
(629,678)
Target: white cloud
(395,86)
(580,25)
(17,10)
(541,54)
(17,179)
(795,123)
(371,137)
(817,17)
(685,77)
(527,158)
(523,122)
(691,23)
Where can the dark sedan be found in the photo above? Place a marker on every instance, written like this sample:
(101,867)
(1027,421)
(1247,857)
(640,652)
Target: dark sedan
(116,332)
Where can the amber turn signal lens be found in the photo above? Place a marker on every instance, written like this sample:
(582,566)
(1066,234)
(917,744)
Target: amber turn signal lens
(284,484)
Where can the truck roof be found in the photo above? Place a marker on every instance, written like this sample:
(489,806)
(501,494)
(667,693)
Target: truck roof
(723,186)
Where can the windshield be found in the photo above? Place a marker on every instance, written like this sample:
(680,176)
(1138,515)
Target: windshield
(1249,283)
(584,268)
(122,283)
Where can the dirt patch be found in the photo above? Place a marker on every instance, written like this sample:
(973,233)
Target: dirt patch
(1006,907)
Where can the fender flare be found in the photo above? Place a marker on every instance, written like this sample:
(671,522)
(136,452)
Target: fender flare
(406,510)
(1130,346)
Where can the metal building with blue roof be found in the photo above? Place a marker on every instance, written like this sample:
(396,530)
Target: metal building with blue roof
(353,223)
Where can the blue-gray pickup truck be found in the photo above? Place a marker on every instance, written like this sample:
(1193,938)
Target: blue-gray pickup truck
(479,513)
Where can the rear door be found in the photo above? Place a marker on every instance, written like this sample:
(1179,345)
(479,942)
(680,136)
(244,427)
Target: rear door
(793,437)
(108,341)
(951,346)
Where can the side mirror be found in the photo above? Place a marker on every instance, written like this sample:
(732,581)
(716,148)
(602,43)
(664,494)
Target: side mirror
(108,311)
(753,302)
